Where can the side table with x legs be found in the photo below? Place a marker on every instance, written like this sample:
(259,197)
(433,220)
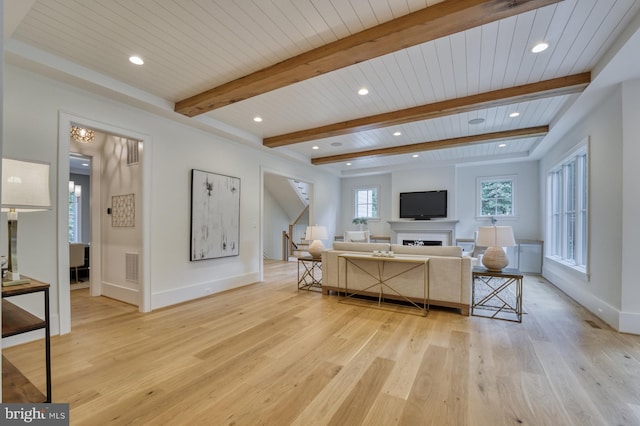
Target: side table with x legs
(497,294)
(309,273)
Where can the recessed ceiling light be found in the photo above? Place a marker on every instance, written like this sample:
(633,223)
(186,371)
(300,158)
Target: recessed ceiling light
(514,114)
(415,156)
(257,119)
(348,164)
(397,133)
(136,60)
(336,143)
(363,91)
(476,121)
(502,145)
(315,147)
(540,47)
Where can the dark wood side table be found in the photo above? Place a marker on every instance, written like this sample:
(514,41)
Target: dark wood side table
(497,294)
(15,320)
(310,273)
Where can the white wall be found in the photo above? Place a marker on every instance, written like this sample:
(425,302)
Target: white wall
(630,294)
(428,179)
(461,182)
(347,199)
(33,102)
(526,223)
(600,292)
(119,179)
(275,221)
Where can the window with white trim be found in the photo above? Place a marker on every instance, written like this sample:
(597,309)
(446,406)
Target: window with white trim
(74,214)
(366,202)
(496,196)
(567,202)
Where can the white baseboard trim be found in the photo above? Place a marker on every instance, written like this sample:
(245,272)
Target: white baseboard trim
(196,291)
(577,290)
(629,322)
(118,292)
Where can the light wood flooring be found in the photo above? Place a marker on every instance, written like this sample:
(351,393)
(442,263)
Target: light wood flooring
(270,354)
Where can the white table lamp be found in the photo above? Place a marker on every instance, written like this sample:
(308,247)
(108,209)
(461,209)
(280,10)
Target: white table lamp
(25,188)
(495,238)
(316,234)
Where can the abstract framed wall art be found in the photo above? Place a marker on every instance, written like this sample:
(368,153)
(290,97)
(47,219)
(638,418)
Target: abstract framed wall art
(123,211)
(215,215)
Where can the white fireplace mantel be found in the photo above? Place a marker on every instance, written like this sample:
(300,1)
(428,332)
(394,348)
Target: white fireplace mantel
(439,229)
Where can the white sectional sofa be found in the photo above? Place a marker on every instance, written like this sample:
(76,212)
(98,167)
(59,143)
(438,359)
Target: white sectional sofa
(449,273)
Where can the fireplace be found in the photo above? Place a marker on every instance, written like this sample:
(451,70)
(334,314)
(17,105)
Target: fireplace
(442,231)
(421,242)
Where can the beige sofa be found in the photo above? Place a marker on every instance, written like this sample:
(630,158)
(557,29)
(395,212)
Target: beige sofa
(449,273)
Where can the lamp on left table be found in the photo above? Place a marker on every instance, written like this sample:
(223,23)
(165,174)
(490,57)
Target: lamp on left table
(316,234)
(25,188)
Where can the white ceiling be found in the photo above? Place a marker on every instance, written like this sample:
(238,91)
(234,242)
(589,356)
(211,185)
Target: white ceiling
(192,46)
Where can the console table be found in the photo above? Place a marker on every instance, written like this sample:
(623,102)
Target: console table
(497,294)
(311,276)
(15,320)
(383,282)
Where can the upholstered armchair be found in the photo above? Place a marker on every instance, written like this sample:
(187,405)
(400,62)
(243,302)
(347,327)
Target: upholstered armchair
(356,236)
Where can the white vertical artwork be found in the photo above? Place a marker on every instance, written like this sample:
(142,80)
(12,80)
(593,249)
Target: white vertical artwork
(215,215)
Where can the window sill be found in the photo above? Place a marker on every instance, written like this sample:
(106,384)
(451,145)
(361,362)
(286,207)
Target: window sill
(578,271)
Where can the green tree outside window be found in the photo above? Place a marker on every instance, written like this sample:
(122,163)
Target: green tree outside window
(496,197)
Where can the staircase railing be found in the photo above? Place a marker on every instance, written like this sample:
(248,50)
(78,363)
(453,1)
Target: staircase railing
(288,245)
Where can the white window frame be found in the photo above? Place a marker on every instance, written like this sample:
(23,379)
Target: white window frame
(75,219)
(377,203)
(567,219)
(514,186)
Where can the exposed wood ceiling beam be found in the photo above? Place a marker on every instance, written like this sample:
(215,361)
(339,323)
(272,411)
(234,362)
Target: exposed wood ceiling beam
(430,23)
(527,92)
(440,144)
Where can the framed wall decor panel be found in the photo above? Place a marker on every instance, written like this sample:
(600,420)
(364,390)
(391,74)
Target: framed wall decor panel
(215,215)
(123,211)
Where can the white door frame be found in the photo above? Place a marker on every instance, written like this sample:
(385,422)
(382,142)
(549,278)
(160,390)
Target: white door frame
(65,120)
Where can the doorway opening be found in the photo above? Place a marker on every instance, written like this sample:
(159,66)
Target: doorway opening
(117,262)
(286,205)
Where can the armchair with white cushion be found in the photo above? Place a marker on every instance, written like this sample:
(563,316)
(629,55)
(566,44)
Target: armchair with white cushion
(356,236)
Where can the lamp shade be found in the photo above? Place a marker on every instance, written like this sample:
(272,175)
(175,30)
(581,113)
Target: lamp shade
(495,236)
(316,233)
(25,185)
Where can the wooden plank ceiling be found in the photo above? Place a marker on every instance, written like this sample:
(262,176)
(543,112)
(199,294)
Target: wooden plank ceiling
(422,26)
(440,74)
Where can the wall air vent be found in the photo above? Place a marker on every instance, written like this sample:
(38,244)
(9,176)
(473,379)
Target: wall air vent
(131,266)
(133,152)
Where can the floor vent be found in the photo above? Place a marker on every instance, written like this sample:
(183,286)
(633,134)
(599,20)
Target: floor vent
(592,324)
(131,265)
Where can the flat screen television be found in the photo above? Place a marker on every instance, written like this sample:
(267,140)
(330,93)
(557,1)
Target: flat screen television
(423,205)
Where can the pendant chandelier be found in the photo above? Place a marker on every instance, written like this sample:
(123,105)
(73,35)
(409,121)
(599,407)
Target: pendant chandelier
(82,135)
